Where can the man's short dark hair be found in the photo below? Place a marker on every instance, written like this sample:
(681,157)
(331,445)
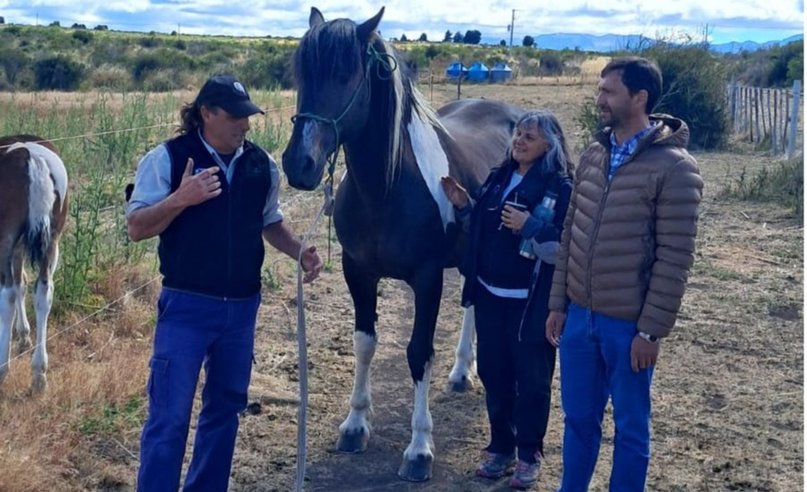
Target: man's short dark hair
(638,74)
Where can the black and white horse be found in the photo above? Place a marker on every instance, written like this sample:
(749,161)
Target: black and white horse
(33,210)
(391,215)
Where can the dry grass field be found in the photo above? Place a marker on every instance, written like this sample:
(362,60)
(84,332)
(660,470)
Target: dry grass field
(728,392)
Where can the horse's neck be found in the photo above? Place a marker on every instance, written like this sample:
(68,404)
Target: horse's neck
(367,158)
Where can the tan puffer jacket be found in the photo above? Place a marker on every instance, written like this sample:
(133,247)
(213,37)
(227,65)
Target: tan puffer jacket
(628,245)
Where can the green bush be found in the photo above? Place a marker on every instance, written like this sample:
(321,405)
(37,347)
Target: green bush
(783,184)
(267,70)
(588,120)
(110,77)
(149,42)
(13,62)
(551,64)
(780,73)
(694,90)
(162,80)
(161,59)
(83,37)
(58,72)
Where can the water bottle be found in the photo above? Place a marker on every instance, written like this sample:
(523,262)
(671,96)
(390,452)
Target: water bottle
(544,212)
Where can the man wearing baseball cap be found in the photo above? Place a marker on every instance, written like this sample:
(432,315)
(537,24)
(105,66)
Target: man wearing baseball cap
(212,197)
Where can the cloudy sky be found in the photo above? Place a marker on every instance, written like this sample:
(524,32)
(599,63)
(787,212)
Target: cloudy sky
(725,20)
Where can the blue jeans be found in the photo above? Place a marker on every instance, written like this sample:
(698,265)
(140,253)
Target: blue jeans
(191,330)
(595,364)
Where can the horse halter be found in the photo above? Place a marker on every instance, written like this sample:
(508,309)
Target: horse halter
(374,59)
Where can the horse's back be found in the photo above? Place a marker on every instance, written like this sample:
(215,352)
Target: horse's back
(30,167)
(480,132)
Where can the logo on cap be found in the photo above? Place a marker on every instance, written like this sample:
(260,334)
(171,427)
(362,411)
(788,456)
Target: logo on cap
(240,88)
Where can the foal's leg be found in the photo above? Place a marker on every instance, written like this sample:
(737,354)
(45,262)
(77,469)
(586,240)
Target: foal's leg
(43,300)
(354,432)
(21,325)
(8,294)
(460,378)
(419,455)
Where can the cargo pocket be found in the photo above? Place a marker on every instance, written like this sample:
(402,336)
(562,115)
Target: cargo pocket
(158,382)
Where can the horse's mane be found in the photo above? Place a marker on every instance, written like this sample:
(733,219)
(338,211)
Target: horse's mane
(332,51)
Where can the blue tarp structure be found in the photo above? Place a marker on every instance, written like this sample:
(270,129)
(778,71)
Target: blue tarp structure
(478,72)
(501,73)
(455,70)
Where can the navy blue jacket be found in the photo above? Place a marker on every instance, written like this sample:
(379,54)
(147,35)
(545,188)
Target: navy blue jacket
(493,253)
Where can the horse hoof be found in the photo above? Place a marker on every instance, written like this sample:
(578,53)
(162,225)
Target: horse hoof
(416,470)
(353,441)
(460,386)
(39,384)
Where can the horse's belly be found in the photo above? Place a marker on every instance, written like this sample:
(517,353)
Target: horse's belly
(393,252)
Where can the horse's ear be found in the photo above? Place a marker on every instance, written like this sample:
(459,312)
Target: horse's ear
(369,26)
(315,18)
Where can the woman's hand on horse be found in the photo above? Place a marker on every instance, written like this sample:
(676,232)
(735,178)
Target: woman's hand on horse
(312,264)
(514,219)
(200,187)
(457,195)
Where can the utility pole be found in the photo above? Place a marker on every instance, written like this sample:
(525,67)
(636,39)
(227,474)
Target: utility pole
(512,28)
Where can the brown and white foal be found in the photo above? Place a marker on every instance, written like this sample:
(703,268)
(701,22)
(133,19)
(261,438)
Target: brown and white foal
(33,209)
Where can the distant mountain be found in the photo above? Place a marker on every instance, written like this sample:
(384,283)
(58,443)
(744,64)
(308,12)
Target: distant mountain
(615,42)
(735,47)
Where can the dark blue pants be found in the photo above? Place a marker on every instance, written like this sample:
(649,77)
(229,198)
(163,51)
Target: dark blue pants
(595,364)
(516,373)
(192,330)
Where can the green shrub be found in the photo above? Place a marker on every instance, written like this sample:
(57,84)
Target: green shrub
(162,80)
(110,52)
(58,72)
(149,42)
(13,62)
(780,73)
(83,37)
(110,77)
(783,184)
(551,64)
(694,90)
(588,120)
(161,59)
(267,70)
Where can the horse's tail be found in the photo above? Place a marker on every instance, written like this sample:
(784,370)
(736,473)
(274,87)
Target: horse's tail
(47,189)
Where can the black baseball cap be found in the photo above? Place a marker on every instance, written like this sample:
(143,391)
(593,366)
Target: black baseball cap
(227,93)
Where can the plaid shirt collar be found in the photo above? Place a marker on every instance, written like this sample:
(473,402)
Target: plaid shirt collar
(620,153)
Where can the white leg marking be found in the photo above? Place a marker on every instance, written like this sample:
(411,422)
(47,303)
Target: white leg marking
(7,306)
(422,443)
(432,162)
(360,401)
(465,362)
(43,300)
(21,324)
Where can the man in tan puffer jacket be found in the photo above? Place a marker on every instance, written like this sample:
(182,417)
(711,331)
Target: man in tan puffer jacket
(627,246)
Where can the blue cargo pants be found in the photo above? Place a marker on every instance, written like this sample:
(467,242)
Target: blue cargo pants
(193,330)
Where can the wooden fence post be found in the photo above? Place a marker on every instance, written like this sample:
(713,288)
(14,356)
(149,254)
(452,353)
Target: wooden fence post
(794,119)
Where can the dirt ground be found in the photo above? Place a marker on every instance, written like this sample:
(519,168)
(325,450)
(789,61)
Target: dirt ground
(728,391)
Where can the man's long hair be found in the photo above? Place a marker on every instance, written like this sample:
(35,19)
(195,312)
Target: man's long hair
(191,118)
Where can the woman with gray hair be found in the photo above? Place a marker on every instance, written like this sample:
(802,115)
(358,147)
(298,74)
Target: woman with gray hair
(515,225)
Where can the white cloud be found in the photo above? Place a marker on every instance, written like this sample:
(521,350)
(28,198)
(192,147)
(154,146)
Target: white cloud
(290,17)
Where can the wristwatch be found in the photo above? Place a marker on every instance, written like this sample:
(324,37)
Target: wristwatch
(650,338)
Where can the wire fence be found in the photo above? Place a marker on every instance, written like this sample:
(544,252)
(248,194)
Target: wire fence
(765,116)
